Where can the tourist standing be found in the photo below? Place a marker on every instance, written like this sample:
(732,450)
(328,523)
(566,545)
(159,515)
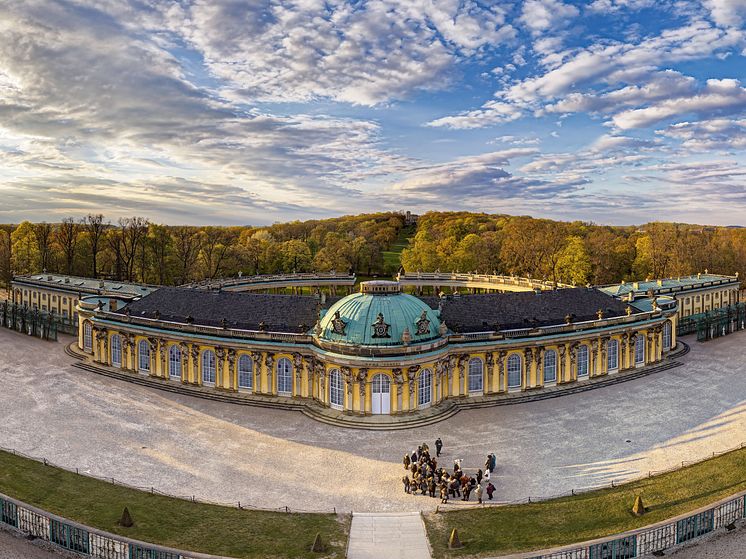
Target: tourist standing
(478,491)
(438,447)
(490,490)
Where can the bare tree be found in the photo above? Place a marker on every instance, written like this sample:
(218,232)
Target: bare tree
(67,238)
(187,242)
(134,230)
(96,227)
(43,235)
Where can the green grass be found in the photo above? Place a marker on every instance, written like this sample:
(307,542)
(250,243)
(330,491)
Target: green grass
(511,529)
(169,521)
(392,257)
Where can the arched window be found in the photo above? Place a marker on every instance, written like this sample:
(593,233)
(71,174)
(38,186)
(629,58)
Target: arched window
(667,335)
(640,349)
(424,388)
(284,376)
(174,362)
(582,361)
(515,371)
(336,389)
(245,372)
(208,367)
(116,350)
(87,337)
(476,375)
(143,354)
(612,355)
(550,366)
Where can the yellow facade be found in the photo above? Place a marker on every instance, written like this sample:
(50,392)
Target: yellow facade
(458,370)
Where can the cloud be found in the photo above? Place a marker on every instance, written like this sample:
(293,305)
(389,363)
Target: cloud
(542,15)
(363,53)
(708,135)
(727,13)
(717,97)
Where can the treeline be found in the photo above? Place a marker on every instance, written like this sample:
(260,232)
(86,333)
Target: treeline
(575,252)
(133,249)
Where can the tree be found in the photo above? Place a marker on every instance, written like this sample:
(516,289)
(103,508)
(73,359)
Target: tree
(95,227)
(43,236)
(67,235)
(25,252)
(133,232)
(574,264)
(296,256)
(160,244)
(186,243)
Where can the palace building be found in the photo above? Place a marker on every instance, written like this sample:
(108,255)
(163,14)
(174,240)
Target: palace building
(378,351)
(695,295)
(60,294)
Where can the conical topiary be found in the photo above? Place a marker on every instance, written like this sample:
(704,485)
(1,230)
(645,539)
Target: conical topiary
(126,519)
(638,509)
(454,542)
(318,545)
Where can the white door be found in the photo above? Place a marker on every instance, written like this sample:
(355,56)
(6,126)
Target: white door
(381,395)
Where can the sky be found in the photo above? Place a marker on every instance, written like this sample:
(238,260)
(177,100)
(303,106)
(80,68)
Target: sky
(253,112)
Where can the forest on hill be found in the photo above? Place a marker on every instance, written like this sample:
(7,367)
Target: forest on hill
(133,249)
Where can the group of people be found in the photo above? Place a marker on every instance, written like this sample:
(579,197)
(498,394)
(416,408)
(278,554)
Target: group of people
(424,475)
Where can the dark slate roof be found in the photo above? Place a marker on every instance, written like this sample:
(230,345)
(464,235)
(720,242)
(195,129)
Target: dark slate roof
(280,313)
(507,311)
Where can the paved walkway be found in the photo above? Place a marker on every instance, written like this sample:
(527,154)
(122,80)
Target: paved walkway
(389,535)
(226,453)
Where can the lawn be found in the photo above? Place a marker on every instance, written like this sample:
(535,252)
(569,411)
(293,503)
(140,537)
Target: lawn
(392,257)
(516,528)
(168,521)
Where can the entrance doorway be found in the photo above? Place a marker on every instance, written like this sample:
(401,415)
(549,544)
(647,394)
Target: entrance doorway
(381,395)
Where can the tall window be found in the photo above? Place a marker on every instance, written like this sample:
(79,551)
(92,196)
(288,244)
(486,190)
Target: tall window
(514,371)
(550,366)
(612,355)
(208,367)
(245,372)
(116,350)
(667,335)
(336,389)
(424,388)
(583,361)
(284,376)
(174,362)
(87,336)
(476,375)
(143,353)
(640,349)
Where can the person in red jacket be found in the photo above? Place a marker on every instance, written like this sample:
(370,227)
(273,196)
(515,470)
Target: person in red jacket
(490,490)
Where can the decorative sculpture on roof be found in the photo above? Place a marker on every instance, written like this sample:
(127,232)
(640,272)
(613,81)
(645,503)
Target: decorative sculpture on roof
(423,324)
(380,328)
(338,324)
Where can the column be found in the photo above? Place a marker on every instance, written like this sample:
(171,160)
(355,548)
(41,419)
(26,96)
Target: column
(399,384)
(256,357)
(362,381)
(232,370)
(528,355)
(220,376)
(502,385)
(184,361)
(298,374)
(269,362)
(561,363)
(538,359)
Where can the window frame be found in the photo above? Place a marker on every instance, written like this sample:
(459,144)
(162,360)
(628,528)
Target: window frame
(243,372)
(473,375)
(553,354)
(208,366)
(287,372)
(515,358)
(424,388)
(336,388)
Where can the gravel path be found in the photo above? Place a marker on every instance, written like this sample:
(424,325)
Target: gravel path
(13,546)
(272,458)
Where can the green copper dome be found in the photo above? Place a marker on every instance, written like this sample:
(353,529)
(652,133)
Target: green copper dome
(380,315)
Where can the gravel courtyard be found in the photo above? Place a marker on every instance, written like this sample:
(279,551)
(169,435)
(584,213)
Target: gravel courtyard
(272,458)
